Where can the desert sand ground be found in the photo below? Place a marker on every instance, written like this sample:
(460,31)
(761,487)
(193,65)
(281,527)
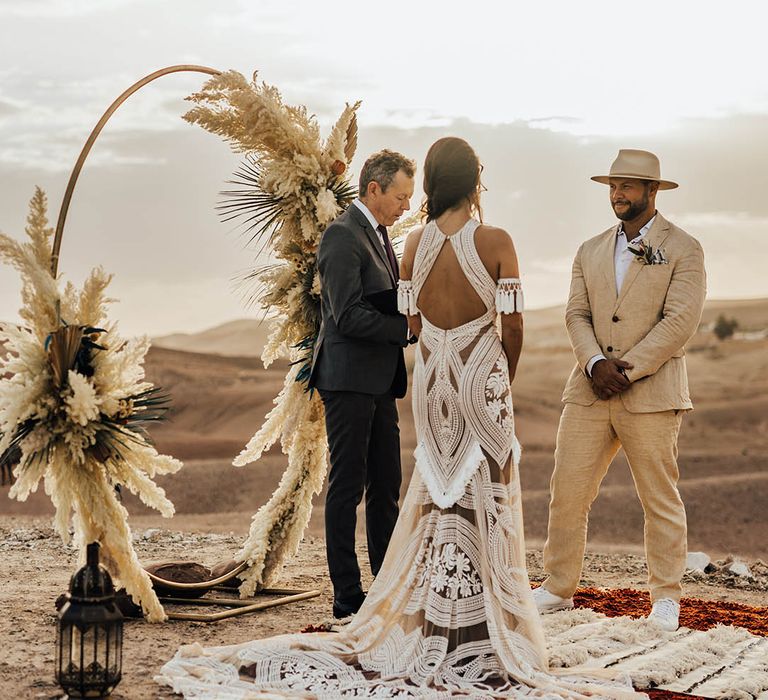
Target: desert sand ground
(36,568)
(219,401)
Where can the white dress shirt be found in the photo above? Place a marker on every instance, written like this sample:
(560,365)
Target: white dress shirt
(372,220)
(622,259)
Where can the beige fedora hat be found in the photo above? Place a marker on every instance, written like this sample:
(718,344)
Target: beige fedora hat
(638,165)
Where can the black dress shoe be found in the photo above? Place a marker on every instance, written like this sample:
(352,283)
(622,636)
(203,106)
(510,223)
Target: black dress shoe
(345,608)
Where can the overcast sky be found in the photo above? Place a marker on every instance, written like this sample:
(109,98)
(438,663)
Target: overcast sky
(546,92)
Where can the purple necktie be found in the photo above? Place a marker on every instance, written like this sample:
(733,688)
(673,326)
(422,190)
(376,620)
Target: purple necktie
(390,251)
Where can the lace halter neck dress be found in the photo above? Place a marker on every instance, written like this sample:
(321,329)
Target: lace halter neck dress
(462,403)
(451,613)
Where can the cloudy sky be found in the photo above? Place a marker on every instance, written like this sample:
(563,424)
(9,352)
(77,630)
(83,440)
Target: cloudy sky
(546,92)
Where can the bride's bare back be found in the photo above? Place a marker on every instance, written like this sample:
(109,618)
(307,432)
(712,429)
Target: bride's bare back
(447,298)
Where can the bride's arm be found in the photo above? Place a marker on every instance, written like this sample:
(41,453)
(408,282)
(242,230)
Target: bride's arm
(511,314)
(406,273)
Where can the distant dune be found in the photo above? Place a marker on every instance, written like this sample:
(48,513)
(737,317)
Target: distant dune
(220,401)
(241,338)
(544,329)
(752,314)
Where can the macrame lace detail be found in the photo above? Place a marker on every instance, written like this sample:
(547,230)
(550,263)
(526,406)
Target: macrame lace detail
(406,301)
(509,296)
(450,613)
(445,492)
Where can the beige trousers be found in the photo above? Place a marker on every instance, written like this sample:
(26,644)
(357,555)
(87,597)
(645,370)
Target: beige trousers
(587,441)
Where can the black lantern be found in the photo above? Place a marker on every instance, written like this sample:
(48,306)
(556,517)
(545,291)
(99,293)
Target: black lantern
(89,653)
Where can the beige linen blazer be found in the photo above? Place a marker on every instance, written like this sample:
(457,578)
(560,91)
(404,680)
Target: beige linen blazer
(647,323)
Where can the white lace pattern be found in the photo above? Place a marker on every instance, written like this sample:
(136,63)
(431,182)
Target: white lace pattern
(461,397)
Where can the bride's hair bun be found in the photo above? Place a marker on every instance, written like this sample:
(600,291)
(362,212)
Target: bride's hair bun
(451,175)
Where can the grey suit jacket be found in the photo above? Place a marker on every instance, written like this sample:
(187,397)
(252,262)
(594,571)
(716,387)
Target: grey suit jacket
(359,347)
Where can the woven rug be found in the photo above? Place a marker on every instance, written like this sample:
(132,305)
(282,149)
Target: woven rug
(720,652)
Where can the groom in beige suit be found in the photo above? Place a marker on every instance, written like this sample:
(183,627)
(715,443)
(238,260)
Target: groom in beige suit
(637,292)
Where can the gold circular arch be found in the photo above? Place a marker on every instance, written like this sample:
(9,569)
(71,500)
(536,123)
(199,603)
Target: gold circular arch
(94,135)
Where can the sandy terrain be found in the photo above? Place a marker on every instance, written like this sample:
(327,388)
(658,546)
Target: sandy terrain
(36,568)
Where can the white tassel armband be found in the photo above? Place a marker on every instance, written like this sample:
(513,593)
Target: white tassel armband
(509,296)
(406,299)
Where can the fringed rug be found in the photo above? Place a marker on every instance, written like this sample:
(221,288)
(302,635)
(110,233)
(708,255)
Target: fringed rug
(720,652)
(722,662)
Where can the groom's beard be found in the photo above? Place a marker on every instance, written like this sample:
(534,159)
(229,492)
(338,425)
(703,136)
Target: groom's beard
(633,210)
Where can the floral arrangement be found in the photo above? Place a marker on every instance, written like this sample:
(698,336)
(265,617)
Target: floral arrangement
(291,185)
(74,406)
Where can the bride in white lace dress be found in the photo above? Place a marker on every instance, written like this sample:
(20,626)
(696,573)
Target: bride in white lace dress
(451,612)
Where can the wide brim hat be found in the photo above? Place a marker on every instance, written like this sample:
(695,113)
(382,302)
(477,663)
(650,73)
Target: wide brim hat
(637,165)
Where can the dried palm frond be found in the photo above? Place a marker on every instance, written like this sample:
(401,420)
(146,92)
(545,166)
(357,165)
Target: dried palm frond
(70,347)
(12,456)
(307,346)
(63,345)
(129,426)
(256,284)
(344,191)
(261,212)
(149,406)
(350,145)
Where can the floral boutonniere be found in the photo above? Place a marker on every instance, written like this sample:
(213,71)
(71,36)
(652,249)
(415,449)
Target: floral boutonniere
(646,255)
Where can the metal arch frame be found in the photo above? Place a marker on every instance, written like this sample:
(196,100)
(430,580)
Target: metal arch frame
(94,135)
(239,606)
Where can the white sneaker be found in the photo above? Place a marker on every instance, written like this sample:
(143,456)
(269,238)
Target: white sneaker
(547,602)
(665,614)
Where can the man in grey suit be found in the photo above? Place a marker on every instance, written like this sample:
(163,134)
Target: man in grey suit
(359,370)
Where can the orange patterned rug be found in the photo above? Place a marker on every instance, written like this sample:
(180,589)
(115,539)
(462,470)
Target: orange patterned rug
(695,613)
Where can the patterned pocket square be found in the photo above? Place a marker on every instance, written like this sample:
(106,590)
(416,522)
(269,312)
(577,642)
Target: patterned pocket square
(646,255)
